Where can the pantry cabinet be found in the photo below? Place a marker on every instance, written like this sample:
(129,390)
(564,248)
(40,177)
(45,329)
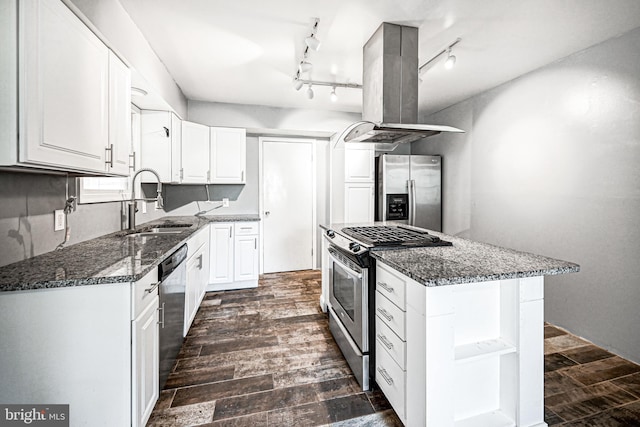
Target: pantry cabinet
(228,155)
(64,72)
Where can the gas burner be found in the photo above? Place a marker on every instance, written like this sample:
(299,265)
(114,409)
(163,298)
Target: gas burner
(384,235)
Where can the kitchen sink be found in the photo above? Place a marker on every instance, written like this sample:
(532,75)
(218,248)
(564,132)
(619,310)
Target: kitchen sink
(169,226)
(157,231)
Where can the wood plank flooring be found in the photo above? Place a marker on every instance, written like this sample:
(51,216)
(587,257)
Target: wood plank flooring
(265,357)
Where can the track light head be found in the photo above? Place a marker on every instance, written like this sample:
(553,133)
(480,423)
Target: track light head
(310,92)
(334,96)
(305,66)
(297,83)
(312,42)
(451,60)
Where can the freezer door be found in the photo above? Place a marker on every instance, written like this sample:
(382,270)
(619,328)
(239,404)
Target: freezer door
(427,179)
(393,178)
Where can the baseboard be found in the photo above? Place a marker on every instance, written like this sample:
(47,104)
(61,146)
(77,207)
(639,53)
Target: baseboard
(232,286)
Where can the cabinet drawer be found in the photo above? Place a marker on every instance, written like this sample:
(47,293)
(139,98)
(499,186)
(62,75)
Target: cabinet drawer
(391,286)
(386,338)
(244,228)
(391,315)
(143,292)
(391,380)
(196,240)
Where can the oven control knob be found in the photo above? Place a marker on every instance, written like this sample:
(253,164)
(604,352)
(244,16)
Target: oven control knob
(331,233)
(354,247)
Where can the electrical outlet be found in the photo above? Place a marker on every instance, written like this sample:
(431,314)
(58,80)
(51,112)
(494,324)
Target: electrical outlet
(225,202)
(58,220)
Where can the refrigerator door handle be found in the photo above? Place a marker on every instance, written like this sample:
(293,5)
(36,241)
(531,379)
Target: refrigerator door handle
(410,200)
(412,203)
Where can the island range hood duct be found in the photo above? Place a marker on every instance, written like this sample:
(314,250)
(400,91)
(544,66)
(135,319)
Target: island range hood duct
(390,91)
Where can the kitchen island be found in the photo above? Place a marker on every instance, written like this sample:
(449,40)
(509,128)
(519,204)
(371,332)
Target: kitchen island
(459,332)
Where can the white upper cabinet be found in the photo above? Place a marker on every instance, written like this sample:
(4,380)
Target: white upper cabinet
(359,163)
(160,144)
(63,92)
(118,158)
(228,155)
(195,153)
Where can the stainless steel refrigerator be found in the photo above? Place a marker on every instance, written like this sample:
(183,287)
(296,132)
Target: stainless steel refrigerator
(409,190)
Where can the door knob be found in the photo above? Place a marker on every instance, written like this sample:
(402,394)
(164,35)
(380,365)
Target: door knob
(267,213)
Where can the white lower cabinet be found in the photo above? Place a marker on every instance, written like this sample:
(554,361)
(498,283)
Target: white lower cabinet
(234,256)
(145,347)
(221,253)
(87,346)
(460,355)
(197,275)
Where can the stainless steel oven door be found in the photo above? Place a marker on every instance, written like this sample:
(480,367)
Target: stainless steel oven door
(349,298)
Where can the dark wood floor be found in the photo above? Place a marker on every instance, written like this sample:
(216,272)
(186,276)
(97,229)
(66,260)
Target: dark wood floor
(265,356)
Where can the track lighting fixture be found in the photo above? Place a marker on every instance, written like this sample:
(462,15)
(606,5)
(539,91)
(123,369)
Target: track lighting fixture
(449,62)
(305,66)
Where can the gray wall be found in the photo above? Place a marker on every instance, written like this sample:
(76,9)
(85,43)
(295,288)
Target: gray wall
(549,165)
(27,202)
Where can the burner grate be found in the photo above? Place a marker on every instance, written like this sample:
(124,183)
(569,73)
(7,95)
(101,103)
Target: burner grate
(391,236)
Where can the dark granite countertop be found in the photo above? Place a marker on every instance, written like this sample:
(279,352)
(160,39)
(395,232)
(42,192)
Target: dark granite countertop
(114,258)
(464,262)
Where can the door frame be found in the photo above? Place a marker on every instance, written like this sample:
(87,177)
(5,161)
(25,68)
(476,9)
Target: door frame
(314,209)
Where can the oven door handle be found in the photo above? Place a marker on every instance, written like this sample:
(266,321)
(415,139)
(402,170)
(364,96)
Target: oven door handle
(348,269)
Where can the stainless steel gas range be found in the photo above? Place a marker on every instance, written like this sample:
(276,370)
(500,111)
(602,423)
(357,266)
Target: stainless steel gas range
(352,287)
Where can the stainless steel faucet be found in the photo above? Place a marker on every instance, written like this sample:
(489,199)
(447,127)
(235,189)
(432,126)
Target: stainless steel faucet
(133,202)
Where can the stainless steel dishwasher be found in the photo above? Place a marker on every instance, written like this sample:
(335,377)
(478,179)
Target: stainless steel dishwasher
(172,274)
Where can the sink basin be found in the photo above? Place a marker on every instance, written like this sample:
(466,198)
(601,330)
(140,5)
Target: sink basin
(157,231)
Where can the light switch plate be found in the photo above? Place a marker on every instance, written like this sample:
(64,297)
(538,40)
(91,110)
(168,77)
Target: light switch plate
(58,222)
(225,202)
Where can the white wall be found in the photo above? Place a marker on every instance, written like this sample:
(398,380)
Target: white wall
(125,38)
(549,165)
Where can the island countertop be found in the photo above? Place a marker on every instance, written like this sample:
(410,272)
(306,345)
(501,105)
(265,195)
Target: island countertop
(113,258)
(466,261)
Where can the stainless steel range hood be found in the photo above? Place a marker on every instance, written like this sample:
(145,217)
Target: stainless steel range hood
(390,90)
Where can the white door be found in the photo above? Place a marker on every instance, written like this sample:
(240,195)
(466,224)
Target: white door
(288,205)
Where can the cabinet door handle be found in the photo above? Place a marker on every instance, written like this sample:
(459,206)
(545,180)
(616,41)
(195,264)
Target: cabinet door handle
(200,262)
(161,320)
(132,161)
(152,288)
(229,232)
(242,176)
(385,314)
(385,341)
(109,150)
(166,131)
(385,376)
(386,287)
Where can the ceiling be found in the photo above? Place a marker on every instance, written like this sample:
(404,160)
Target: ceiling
(247,51)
